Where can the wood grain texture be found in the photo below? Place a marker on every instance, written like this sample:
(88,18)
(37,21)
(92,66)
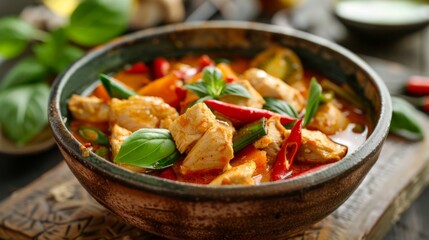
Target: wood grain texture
(56,207)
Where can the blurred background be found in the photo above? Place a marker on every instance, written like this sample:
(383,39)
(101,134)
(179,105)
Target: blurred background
(381,32)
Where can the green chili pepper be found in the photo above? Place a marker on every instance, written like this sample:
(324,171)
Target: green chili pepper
(248,134)
(93,135)
(116,89)
(102,152)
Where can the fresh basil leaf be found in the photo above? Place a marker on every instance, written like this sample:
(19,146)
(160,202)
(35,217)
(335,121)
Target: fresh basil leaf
(97,21)
(15,34)
(151,148)
(198,88)
(404,120)
(279,106)
(212,79)
(24,112)
(313,100)
(56,53)
(28,70)
(236,90)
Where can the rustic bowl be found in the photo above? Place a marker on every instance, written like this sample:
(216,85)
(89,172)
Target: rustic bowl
(189,211)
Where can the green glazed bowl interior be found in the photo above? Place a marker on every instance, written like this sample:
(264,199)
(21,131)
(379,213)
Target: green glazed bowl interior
(237,38)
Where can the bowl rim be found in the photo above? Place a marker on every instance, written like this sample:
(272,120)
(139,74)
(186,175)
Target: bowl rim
(152,184)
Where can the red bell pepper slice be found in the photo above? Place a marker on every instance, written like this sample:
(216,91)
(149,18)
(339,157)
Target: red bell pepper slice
(205,61)
(138,68)
(245,114)
(161,67)
(285,158)
(168,173)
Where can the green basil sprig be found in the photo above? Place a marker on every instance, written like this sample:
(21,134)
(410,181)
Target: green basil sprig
(314,95)
(279,106)
(404,120)
(213,86)
(24,111)
(151,148)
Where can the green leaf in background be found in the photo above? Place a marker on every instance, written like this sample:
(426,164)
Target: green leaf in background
(236,90)
(404,120)
(14,36)
(24,112)
(151,148)
(280,106)
(313,100)
(28,70)
(56,53)
(97,21)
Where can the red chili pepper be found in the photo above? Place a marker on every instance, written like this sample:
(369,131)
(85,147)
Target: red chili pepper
(245,114)
(285,158)
(161,66)
(168,173)
(204,62)
(418,85)
(137,68)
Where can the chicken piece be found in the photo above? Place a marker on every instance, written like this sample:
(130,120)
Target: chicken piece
(329,119)
(141,112)
(269,86)
(191,126)
(239,175)
(117,137)
(213,151)
(256,100)
(91,109)
(318,148)
(272,142)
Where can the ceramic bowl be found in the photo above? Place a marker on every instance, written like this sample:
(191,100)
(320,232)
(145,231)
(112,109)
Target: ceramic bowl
(189,211)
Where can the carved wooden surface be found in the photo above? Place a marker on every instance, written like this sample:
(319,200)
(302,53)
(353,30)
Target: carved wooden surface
(56,207)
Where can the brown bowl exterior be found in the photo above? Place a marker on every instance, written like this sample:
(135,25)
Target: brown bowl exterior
(188,211)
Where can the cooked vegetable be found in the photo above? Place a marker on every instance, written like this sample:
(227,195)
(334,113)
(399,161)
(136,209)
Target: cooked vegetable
(288,152)
(280,62)
(313,101)
(161,67)
(116,89)
(138,68)
(248,134)
(93,134)
(245,114)
(148,148)
(343,92)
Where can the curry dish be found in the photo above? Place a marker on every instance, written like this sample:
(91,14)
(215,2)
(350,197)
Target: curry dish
(220,121)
